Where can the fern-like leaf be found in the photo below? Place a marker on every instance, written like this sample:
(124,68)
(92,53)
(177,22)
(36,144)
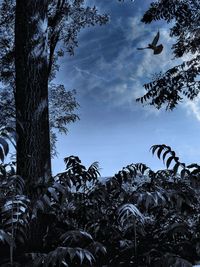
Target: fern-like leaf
(5,237)
(97,248)
(66,256)
(131,171)
(150,200)
(169,157)
(73,238)
(129,212)
(15,216)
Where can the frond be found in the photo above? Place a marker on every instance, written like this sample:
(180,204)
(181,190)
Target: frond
(97,249)
(5,237)
(75,237)
(6,134)
(131,171)
(67,256)
(15,216)
(169,157)
(149,200)
(129,212)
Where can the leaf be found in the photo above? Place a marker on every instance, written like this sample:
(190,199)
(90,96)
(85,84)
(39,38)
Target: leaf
(159,151)
(184,172)
(65,264)
(165,154)
(72,253)
(155,198)
(1,154)
(176,166)
(76,237)
(50,259)
(194,165)
(173,155)
(10,138)
(52,191)
(153,148)
(5,237)
(4,145)
(80,255)
(39,205)
(89,257)
(98,247)
(169,161)
(148,200)
(59,187)
(128,211)
(46,200)
(140,199)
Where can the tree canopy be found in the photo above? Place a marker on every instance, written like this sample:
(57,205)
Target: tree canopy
(65,21)
(169,88)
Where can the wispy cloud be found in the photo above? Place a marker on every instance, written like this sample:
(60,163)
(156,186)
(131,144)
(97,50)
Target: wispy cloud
(193,107)
(108,65)
(89,74)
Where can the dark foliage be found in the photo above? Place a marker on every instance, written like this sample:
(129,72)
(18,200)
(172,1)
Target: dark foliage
(169,88)
(138,217)
(65,21)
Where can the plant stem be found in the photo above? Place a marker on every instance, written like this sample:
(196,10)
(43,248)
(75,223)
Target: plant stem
(135,241)
(12,239)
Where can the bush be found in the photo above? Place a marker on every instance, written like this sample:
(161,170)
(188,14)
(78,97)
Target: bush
(138,217)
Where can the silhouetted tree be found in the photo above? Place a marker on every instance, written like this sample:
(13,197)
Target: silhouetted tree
(39,26)
(169,88)
(31,95)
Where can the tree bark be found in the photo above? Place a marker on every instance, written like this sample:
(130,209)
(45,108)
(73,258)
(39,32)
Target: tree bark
(31,96)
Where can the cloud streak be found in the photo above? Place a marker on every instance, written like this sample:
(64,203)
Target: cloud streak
(90,74)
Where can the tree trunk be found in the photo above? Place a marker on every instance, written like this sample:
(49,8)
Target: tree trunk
(31,96)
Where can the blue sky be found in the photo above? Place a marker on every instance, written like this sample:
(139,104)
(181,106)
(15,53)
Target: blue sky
(108,72)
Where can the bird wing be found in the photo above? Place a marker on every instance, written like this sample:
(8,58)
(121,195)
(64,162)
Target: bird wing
(155,40)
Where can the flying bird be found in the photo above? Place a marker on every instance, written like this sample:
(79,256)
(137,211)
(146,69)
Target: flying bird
(157,49)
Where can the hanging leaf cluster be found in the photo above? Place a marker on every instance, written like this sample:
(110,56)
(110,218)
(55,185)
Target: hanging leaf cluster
(168,89)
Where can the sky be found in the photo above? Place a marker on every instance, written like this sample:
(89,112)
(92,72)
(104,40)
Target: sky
(108,73)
